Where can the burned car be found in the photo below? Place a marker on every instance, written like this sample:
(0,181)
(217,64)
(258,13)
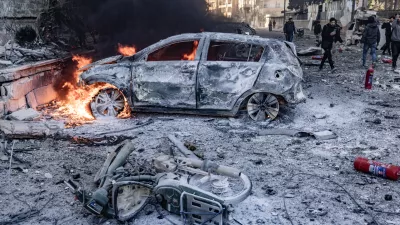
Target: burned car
(202,73)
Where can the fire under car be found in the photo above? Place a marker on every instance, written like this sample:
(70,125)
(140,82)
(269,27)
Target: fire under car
(203,73)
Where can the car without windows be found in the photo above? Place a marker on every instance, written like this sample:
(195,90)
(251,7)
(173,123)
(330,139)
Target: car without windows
(204,74)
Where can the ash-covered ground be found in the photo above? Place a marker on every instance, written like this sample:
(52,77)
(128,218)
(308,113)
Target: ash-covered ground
(295,180)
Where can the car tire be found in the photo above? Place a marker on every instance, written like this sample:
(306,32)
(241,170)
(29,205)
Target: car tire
(109,102)
(263,106)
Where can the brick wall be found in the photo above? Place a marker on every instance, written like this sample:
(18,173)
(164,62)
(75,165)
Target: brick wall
(28,86)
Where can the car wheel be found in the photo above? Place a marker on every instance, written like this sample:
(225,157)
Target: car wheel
(263,106)
(109,102)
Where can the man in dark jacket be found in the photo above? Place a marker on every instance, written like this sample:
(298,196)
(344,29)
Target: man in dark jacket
(289,29)
(317,31)
(388,34)
(370,38)
(328,37)
(395,41)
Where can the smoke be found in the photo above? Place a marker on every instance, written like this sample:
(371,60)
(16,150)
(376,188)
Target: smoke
(143,22)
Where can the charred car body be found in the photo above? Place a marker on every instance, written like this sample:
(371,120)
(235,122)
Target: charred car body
(203,73)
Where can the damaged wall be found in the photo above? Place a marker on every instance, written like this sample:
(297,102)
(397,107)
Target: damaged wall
(28,86)
(17,13)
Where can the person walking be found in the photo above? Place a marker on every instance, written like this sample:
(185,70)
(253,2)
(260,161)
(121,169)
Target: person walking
(328,37)
(274,24)
(317,32)
(270,25)
(289,29)
(395,41)
(388,35)
(370,38)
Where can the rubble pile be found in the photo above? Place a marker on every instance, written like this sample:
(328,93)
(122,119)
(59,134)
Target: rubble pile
(14,54)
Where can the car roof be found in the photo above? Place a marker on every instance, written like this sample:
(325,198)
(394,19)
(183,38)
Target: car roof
(221,36)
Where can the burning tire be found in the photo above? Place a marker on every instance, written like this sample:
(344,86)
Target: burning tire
(109,102)
(263,106)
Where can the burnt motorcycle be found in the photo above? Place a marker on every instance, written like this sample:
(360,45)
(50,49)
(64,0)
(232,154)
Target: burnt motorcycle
(201,192)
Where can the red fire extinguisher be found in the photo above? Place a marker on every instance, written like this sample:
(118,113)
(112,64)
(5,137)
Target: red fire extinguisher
(369,77)
(391,172)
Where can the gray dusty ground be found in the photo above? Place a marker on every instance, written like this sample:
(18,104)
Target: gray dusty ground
(277,165)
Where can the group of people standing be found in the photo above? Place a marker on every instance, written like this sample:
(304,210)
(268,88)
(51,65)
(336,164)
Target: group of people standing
(330,34)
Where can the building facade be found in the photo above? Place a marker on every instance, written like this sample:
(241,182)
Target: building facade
(258,12)
(228,8)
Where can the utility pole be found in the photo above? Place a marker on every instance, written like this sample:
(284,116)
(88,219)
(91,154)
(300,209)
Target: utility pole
(353,8)
(284,11)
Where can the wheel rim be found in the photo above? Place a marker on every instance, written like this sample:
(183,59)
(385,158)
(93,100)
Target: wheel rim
(263,106)
(109,102)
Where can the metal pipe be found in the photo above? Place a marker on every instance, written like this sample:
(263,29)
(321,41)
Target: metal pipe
(119,161)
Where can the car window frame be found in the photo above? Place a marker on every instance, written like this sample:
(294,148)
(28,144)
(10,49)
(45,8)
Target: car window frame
(210,39)
(197,57)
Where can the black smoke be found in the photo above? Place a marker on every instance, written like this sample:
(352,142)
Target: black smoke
(143,22)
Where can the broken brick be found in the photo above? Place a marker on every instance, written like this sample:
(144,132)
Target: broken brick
(45,94)
(31,100)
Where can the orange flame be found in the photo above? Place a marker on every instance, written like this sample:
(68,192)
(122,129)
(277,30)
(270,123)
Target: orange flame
(191,55)
(76,104)
(126,50)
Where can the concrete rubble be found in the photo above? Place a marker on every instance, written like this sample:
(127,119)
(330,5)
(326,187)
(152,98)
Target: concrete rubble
(24,115)
(32,129)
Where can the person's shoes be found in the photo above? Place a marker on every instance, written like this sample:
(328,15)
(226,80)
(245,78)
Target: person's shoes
(320,69)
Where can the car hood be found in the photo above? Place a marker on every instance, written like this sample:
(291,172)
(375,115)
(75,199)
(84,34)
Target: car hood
(109,60)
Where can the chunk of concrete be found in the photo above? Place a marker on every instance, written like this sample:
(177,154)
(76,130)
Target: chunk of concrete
(320,116)
(25,115)
(29,129)
(324,135)
(5,62)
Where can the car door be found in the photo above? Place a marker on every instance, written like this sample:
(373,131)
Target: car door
(167,75)
(227,70)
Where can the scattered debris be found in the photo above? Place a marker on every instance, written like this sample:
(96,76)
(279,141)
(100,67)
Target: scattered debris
(317,57)
(388,197)
(375,121)
(140,124)
(310,51)
(324,135)
(190,146)
(321,135)
(181,147)
(48,175)
(320,116)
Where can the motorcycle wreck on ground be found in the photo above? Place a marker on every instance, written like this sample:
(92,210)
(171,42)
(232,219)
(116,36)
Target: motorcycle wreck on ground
(201,192)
